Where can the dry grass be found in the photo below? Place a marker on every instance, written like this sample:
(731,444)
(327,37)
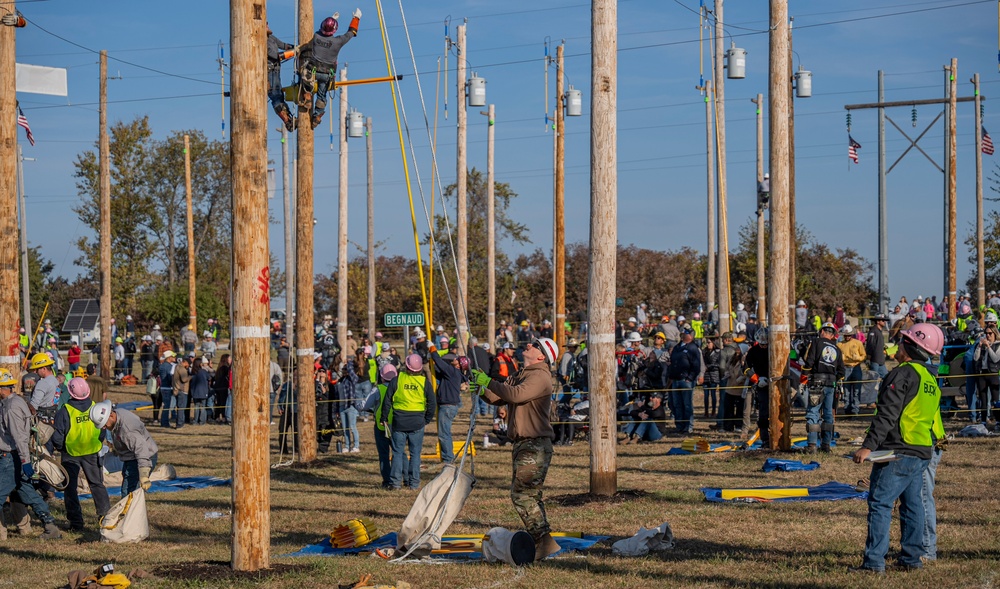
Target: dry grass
(788,545)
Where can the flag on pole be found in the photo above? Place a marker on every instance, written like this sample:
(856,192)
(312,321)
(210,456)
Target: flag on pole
(987,143)
(22,121)
(852,148)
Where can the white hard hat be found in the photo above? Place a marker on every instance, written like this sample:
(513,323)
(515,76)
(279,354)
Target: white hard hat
(740,307)
(681,318)
(632,320)
(99,413)
(767,175)
(156,327)
(128,318)
(440,328)
(634,337)
(991,317)
(801,303)
(741,327)
(549,348)
(847,329)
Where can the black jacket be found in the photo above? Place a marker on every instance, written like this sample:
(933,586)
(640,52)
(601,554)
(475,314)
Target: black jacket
(449,381)
(824,362)
(875,346)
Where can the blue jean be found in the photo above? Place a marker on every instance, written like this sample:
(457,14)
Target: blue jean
(852,390)
(446,415)
(324,82)
(972,398)
(711,392)
(147,369)
(406,469)
(482,407)
(825,405)
(349,419)
(13,480)
(721,414)
(200,412)
(900,479)
(274,91)
(930,506)
(382,445)
(229,407)
(683,408)
(171,403)
(130,475)
(880,370)
(646,431)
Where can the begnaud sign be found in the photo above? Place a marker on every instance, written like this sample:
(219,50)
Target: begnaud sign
(403,319)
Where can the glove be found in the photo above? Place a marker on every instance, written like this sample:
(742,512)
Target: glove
(144,481)
(481,378)
(357,13)
(336,15)
(432,348)
(13,20)
(28,470)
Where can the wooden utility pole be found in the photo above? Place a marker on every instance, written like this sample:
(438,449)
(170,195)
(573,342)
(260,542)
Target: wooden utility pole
(713,222)
(304,246)
(289,250)
(342,222)
(779,97)
(792,245)
(761,283)
(251,537)
(192,302)
(952,185)
(461,183)
(9,356)
(25,273)
(491,234)
(371,228)
(559,242)
(725,297)
(104,182)
(980,248)
(603,246)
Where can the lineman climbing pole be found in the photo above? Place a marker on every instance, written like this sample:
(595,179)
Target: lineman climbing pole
(9,357)
(603,246)
(104,181)
(304,262)
(251,289)
(779,97)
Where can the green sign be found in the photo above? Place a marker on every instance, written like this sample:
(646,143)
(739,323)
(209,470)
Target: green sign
(403,319)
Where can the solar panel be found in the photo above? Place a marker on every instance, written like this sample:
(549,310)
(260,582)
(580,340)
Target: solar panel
(83,315)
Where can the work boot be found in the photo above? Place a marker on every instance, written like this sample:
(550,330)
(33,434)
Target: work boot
(287,119)
(51,532)
(546,546)
(811,449)
(316,120)
(825,448)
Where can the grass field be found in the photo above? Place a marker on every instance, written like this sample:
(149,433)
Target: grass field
(786,545)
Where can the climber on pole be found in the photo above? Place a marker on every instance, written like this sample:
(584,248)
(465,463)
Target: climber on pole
(277,52)
(319,63)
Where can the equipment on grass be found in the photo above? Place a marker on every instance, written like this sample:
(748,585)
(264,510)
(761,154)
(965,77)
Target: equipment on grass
(435,509)
(764,494)
(354,533)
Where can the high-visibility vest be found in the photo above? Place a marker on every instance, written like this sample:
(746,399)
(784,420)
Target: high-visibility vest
(409,395)
(916,421)
(817,322)
(378,408)
(699,328)
(83,437)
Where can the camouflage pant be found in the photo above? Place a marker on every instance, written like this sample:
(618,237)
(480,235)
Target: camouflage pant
(531,459)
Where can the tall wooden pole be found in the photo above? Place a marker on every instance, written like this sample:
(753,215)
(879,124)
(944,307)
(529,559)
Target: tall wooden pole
(725,297)
(779,97)
(952,185)
(491,233)
(371,228)
(342,221)
(304,246)
(560,237)
(9,356)
(25,272)
(461,184)
(603,246)
(792,244)
(251,296)
(713,222)
(289,228)
(980,247)
(761,281)
(192,301)
(883,219)
(946,202)
(104,181)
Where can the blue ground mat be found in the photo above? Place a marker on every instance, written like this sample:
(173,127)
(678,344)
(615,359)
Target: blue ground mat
(459,547)
(772,464)
(178,484)
(831,491)
(134,405)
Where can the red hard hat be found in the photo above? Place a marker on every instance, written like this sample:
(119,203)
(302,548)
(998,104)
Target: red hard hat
(328,28)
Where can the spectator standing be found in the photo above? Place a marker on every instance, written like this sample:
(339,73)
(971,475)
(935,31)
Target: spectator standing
(199,392)
(853,353)
(687,368)
(875,345)
(73,355)
(713,361)
(410,404)
(758,363)
(221,385)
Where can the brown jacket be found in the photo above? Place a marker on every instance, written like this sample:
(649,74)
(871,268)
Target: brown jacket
(528,395)
(182,379)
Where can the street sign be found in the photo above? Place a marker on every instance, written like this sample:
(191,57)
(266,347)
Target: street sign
(403,319)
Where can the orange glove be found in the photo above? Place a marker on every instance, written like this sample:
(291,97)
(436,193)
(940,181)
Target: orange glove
(754,378)
(803,379)
(432,348)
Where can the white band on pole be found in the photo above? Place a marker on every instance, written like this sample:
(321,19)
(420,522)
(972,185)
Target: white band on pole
(251,332)
(304,351)
(10,359)
(603,339)
(780,328)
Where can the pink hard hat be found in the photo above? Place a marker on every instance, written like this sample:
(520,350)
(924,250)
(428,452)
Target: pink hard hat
(378,335)
(78,388)
(926,336)
(328,28)
(368,350)
(388,372)
(463,362)
(414,363)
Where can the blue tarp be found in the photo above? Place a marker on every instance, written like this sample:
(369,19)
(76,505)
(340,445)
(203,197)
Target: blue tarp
(178,484)
(324,548)
(788,465)
(831,491)
(133,405)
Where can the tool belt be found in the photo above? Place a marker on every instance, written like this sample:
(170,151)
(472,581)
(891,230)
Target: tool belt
(46,414)
(820,380)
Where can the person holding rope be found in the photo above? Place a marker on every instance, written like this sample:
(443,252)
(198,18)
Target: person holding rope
(528,397)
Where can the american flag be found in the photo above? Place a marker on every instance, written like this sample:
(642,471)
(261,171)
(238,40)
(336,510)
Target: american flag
(987,143)
(852,148)
(22,121)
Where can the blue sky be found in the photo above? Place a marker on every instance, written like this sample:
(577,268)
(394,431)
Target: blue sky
(661,133)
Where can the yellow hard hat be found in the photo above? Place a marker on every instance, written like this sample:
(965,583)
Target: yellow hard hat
(40,360)
(80,372)
(7,379)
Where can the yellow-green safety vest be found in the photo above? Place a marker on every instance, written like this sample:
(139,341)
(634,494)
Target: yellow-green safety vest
(409,395)
(378,408)
(698,327)
(916,422)
(817,322)
(83,437)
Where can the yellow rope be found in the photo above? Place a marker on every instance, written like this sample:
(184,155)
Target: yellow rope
(406,170)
